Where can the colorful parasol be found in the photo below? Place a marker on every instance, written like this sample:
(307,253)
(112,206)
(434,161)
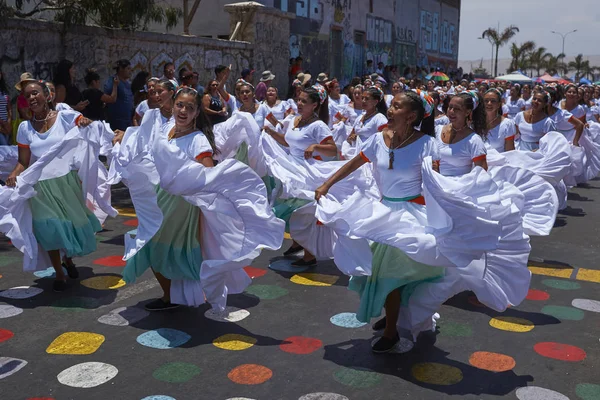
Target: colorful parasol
(438,77)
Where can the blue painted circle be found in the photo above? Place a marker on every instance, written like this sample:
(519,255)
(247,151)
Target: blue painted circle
(285,265)
(346,320)
(159,397)
(163,338)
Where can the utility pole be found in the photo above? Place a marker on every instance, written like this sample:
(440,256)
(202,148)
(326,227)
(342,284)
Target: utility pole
(563,35)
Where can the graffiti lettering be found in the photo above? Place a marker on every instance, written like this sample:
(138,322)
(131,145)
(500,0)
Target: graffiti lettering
(405,34)
(309,9)
(379,30)
(43,70)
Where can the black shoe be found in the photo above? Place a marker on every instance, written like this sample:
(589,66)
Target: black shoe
(71,271)
(302,263)
(385,345)
(160,305)
(379,325)
(59,285)
(293,250)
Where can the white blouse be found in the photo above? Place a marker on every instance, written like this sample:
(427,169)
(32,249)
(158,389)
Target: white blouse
(366,128)
(497,136)
(299,139)
(562,121)
(404,180)
(195,145)
(457,158)
(532,133)
(40,143)
(513,107)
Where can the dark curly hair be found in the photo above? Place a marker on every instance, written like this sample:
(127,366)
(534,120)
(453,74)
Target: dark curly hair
(202,122)
(322,109)
(478,116)
(416,105)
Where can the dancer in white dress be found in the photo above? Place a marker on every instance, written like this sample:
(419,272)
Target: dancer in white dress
(337,102)
(514,104)
(565,122)
(372,121)
(526,96)
(274,106)
(397,88)
(501,131)
(396,154)
(150,103)
(533,124)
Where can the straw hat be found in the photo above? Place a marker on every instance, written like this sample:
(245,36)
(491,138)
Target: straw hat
(267,76)
(304,78)
(322,78)
(25,77)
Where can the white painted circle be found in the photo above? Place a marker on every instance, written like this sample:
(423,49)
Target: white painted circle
(9,366)
(21,292)
(239,398)
(323,396)
(587,305)
(123,316)
(7,311)
(538,393)
(230,314)
(87,375)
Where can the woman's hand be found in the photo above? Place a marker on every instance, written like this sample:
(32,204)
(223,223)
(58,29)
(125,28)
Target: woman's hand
(269,130)
(352,138)
(11,181)
(321,191)
(223,112)
(118,136)
(82,122)
(576,142)
(308,153)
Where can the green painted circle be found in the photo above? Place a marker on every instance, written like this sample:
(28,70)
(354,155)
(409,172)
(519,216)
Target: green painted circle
(455,329)
(176,372)
(358,378)
(588,391)
(267,292)
(564,313)
(76,304)
(560,284)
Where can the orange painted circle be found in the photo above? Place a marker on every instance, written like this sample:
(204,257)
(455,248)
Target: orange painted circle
(492,361)
(250,374)
(111,261)
(131,222)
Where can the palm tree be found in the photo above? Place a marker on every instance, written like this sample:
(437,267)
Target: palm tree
(499,39)
(519,55)
(554,64)
(578,65)
(537,59)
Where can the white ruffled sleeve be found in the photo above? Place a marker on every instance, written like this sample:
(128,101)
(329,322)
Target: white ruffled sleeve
(477,147)
(199,148)
(368,151)
(23,135)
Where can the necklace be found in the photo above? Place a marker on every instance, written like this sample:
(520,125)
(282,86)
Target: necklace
(46,118)
(248,109)
(491,123)
(175,132)
(366,117)
(44,127)
(308,121)
(392,148)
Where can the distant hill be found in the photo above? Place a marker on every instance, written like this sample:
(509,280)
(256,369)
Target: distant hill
(504,63)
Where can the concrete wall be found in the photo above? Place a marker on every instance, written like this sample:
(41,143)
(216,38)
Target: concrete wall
(34,46)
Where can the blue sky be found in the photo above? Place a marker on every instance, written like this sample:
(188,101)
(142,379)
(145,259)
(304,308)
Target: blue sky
(535,20)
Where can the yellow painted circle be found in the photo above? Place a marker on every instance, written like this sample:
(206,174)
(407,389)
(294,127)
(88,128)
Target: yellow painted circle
(76,343)
(436,374)
(311,279)
(512,324)
(104,282)
(234,342)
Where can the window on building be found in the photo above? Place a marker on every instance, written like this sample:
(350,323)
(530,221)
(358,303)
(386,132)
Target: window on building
(371,6)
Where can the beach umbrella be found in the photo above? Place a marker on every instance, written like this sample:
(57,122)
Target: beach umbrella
(585,81)
(514,78)
(438,76)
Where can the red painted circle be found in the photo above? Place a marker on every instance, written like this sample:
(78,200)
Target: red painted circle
(559,351)
(131,222)
(5,334)
(111,261)
(255,272)
(538,295)
(300,345)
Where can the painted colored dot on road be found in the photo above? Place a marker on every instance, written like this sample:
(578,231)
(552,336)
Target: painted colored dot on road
(7,260)
(9,366)
(559,351)
(87,375)
(587,305)
(512,324)
(131,222)
(234,342)
(111,261)
(254,272)
(163,338)
(313,279)
(403,346)
(300,345)
(537,295)
(538,393)
(104,282)
(158,397)
(7,311)
(346,320)
(76,343)
(176,372)
(267,292)
(455,329)
(285,265)
(5,334)
(563,313)
(48,273)
(123,316)
(323,396)
(560,284)
(357,378)
(20,292)
(588,391)
(436,374)
(494,362)
(250,374)
(76,303)
(230,314)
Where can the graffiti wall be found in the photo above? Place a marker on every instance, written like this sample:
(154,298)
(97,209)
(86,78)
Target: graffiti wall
(438,34)
(36,46)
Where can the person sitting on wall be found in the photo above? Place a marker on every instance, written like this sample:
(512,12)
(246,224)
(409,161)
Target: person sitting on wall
(169,73)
